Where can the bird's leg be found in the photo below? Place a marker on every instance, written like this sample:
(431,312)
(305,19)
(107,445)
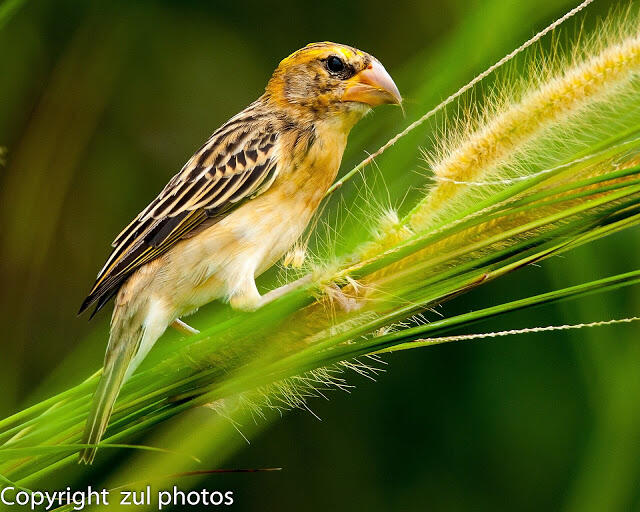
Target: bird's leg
(249,299)
(184,328)
(283,290)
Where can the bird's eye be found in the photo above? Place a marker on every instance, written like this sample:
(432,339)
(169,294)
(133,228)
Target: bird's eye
(335,64)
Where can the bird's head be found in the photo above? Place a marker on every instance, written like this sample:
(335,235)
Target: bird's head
(330,79)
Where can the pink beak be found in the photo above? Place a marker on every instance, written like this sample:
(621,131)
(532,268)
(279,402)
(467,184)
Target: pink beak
(372,86)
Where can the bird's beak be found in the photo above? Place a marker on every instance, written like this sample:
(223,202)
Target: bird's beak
(372,86)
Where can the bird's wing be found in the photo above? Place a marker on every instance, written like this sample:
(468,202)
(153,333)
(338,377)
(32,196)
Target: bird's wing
(237,162)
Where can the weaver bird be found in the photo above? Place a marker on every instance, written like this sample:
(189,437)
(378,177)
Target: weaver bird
(239,203)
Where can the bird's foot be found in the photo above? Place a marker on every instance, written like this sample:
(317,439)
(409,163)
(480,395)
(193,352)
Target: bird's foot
(347,303)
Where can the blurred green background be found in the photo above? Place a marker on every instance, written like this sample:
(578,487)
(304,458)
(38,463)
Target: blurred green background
(101,102)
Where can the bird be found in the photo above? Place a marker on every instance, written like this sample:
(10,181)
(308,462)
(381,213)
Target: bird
(232,211)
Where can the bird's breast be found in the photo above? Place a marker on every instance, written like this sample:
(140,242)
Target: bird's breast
(255,235)
(273,221)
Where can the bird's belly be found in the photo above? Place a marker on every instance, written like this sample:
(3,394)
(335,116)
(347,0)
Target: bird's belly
(219,260)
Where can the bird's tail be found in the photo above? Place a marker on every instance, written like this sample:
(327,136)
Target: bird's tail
(124,344)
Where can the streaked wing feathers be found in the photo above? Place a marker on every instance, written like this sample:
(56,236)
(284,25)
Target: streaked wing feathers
(236,163)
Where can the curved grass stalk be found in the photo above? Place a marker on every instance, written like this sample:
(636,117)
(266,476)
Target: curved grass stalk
(511,332)
(195,389)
